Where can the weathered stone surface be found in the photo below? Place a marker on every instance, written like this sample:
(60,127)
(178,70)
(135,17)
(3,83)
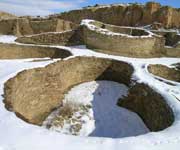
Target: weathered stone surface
(25,26)
(13,51)
(34,93)
(134,43)
(130,15)
(172,52)
(138,46)
(171,37)
(67,38)
(150,106)
(5,15)
(165,72)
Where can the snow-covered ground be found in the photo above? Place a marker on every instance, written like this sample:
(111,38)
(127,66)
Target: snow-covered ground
(7,39)
(16,134)
(104,118)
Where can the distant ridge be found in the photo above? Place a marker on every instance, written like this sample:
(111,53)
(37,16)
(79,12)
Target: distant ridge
(131,14)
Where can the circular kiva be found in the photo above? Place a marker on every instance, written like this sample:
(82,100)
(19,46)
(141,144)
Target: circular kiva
(14,51)
(165,72)
(127,41)
(33,94)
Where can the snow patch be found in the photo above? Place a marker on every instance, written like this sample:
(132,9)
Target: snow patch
(103,118)
(7,39)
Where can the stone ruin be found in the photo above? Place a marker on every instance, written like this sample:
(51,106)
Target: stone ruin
(33,94)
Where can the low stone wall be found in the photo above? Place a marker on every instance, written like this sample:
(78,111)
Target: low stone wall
(123,41)
(172,52)
(132,31)
(33,94)
(25,26)
(13,51)
(138,43)
(165,72)
(67,38)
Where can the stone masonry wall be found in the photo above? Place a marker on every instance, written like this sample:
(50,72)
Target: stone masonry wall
(13,51)
(124,45)
(24,26)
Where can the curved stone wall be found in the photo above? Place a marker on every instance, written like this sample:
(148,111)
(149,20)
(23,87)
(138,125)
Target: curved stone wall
(67,38)
(125,41)
(122,30)
(14,51)
(115,40)
(34,93)
(165,72)
(150,106)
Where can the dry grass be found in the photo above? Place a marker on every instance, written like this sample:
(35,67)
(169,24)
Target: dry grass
(67,114)
(67,110)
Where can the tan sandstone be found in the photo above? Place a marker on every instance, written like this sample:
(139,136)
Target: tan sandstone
(33,94)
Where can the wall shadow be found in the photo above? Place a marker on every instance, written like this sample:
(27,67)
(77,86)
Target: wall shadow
(111,120)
